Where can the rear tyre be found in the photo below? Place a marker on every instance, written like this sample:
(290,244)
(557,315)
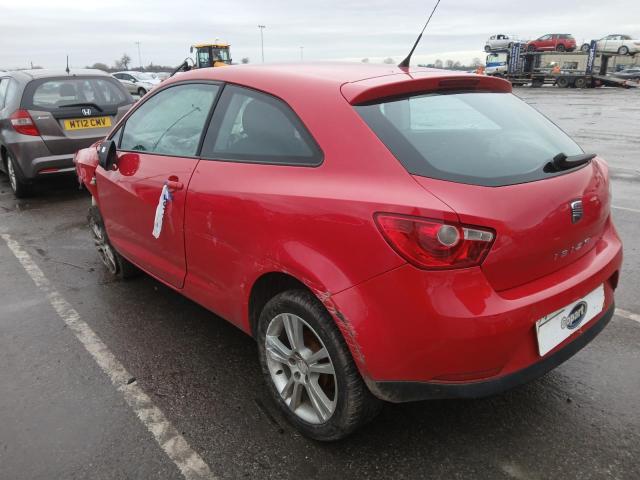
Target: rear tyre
(116,264)
(531,48)
(560,48)
(585,48)
(562,82)
(580,83)
(19,187)
(487,48)
(623,50)
(141,92)
(309,370)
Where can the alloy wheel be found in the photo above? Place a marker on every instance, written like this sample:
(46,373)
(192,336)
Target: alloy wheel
(13,180)
(105,251)
(301,368)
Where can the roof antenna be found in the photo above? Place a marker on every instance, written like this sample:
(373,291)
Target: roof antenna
(405,62)
(67,69)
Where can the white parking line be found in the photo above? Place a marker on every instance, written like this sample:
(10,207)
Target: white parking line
(628,315)
(626,209)
(174,445)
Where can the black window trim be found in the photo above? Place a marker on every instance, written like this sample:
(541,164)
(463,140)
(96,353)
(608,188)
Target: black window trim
(120,130)
(305,133)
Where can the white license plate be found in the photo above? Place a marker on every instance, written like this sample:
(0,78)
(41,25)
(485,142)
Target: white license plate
(554,328)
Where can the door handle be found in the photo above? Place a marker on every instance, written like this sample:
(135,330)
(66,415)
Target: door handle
(174,185)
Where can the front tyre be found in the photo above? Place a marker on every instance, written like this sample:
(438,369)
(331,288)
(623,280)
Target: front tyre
(623,50)
(141,92)
(116,264)
(309,370)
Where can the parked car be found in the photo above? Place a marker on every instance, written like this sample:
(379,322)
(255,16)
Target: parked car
(131,87)
(632,73)
(616,43)
(47,115)
(560,42)
(162,75)
(383,235)
(500,42)
(143,81)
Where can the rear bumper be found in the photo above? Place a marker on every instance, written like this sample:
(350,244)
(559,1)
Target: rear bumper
(35,160)
(417,334)
(414,391)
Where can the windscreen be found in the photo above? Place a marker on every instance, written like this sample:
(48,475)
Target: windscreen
(54,93)
(478,138)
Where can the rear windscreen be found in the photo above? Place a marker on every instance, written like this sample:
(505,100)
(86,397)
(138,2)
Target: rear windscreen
(477,138)
(50,94)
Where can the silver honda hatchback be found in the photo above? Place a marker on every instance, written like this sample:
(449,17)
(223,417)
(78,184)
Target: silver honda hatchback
(46,116)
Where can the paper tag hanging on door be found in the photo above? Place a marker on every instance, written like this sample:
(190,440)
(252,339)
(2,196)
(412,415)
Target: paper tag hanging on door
(165,196)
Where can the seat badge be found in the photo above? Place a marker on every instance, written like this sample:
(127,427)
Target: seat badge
(576,211)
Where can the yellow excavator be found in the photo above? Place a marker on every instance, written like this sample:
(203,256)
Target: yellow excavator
(207,55)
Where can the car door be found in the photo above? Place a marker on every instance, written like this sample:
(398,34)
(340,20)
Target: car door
(545,42)
(610,43)
(256,149)
(158,146)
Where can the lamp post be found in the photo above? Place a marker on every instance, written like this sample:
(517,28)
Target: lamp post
(262,27)
(139,56)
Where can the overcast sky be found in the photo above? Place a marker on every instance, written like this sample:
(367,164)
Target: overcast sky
(45,31)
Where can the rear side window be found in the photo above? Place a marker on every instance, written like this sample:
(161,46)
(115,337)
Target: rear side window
(489,139)
(250,126)
(171,122)
(52,94)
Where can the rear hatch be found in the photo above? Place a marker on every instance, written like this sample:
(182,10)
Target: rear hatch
(73,112)
(488,156)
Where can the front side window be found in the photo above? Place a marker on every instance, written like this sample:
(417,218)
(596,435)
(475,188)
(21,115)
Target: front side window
(170,122)
(203,57)
(255,127)
(220,54)
(479,138)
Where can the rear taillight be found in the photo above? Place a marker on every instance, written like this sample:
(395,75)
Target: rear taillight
(22,123)
(435,245)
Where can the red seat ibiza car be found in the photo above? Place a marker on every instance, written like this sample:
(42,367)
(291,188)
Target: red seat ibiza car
(384,233)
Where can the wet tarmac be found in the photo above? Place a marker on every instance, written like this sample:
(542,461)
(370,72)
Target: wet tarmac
(61,416)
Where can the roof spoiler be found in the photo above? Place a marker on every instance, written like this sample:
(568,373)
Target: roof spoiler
(398,85)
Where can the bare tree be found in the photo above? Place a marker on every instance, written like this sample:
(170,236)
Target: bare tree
(123,63)
(457,64)
(438,63)
(448,64)
(388,61)
(476,62)
(100,66)
(245,60)
(365,60)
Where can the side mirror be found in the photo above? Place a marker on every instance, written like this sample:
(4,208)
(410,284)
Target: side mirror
(191,49)
(107,154)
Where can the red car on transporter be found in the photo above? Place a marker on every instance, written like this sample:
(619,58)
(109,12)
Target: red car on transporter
(384,233)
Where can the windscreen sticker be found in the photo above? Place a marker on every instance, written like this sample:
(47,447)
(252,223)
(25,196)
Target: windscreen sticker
(165,197)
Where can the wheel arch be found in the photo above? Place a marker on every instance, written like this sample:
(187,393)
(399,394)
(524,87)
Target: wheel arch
(270,284)
(264,288)
(3,157)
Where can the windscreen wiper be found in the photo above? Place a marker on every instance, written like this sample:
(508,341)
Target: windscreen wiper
(562,162)
(82,104)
